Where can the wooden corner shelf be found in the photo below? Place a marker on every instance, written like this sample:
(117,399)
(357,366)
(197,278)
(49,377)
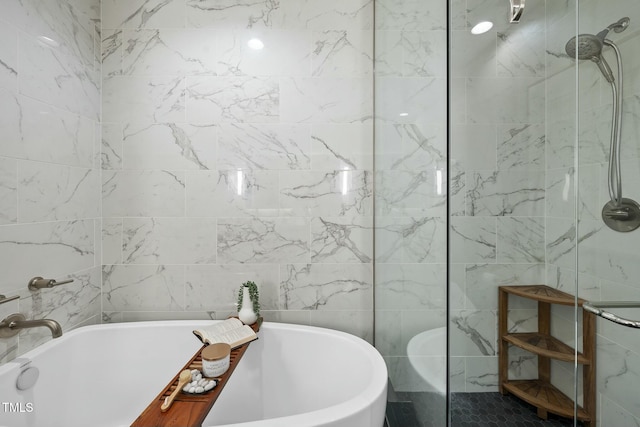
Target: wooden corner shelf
(540,392)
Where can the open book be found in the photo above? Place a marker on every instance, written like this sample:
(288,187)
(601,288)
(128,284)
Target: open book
(231,331)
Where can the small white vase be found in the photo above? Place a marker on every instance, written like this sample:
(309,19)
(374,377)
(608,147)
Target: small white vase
(246,313)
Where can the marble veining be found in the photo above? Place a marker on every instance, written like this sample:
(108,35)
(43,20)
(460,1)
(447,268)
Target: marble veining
(336,240)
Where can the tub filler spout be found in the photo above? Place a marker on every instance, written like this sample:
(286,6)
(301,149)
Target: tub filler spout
(13,323)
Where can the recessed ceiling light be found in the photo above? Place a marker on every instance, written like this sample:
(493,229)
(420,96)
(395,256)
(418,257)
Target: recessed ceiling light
(482,27)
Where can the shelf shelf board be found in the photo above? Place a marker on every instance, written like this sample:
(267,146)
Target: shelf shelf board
(542,293)
(545,345)
(544,395)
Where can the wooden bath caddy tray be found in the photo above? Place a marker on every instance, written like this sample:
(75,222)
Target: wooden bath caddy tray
(189,410)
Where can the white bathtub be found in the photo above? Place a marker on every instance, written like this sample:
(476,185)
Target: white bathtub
(105,375)
(427,353)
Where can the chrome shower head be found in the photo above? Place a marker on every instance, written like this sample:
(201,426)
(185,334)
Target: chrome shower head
(588,46)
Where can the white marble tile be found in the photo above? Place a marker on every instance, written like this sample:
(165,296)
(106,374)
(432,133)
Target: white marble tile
(410,15)
(617,374)
(143,287)
(411,99)
(53,76)
(235,193)
(169,240)
(408,376)
(346,14)
(51,192)
(46,249)
(264,146)
(481,374)
(129,99)
(326,287)
(10,124)
(483,280)
(284,52)
(170,52)
(8,56)
(53,135)
(389,53)
(474,147)
(521,147)
(215,287)
(561,143)
(336,146)
(560,193)
(425,53)
(410,239)
(343,53)
(325,100)
(561,242)
(231,14)
(169,146)
(499,100)
(335,193)
(354,322)
(472,333)
(411,287)
(143,13)
(342,240)
(521,240)
(112,49)
(143,193)
(213,100)
(612,414)
(112,241)
(8,191)
(521,54)
(413,147)
(473,239)
(410,193)
(505,193)
(263,240)
(111,152)
(473,55)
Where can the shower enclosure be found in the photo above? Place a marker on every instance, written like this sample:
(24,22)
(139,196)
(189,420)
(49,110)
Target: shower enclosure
(495,154)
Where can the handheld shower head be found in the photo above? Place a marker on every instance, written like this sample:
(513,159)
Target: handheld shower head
(588,46)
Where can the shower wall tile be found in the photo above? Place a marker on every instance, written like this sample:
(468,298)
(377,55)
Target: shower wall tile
(111,149)
(521,147)
(472,239)
(111,52)
(143,193)
(8,56)
(473,333)
(169,241)
(214,100)
(169,146)
(354,322)
(8,191)
(143,13)
(521,53)
(342,240)
(215,287)
(325,100)
(410,239)
(264,146)
(411,287)
(505,193)
(112,239)
(263,240)
(416,98)
(143,287)
(346,53)
(615,414)
(341,146)
(128,99)
(52,192)
(47,249)
(521,240)
(335,193)
(326,287)
(175,52)
(409,15)
(285,52)
(233,193)
(474,147)
(616,371)
(419,194)
(493,101)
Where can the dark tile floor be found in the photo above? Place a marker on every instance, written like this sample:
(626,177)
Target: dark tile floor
(467,410)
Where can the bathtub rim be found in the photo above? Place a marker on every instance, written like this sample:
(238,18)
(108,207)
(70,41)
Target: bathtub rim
(376,388)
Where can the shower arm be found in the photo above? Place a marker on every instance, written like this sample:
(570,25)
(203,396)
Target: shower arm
(597,309)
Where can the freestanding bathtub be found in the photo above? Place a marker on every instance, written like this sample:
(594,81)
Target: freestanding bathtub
(106,375)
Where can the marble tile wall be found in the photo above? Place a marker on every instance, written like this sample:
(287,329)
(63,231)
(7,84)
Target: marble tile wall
(221,163)
(49,169)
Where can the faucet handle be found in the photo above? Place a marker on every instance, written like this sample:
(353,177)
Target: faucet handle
(4,299)
(39,283)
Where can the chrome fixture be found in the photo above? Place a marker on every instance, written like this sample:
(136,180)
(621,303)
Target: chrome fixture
(517,7)
(13,323)
(619,214)
(39,283)
(597,309)
(4,299)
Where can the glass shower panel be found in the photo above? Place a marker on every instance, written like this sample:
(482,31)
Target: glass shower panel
(512,216)
(609,260)
(410,206)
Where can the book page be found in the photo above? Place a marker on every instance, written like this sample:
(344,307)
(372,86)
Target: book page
(235,337)
(222,327)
